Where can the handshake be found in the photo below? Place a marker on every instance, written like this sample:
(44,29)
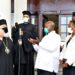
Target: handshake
(33,41)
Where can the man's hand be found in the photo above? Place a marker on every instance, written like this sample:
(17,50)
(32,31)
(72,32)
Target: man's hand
(33,41)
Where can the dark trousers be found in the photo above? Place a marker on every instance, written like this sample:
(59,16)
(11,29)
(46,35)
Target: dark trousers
(43,72)
(24,70)
(69,71)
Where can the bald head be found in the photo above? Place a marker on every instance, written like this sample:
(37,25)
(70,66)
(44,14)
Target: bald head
(50,25)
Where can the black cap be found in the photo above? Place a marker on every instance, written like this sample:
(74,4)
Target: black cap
(73,14)
(26,13)
(3,21)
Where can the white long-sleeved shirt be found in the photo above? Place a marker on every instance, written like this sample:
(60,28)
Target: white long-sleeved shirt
(68,51)
(48,52)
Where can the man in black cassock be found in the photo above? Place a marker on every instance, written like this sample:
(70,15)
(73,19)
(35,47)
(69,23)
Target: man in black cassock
(6,51)
(26,49)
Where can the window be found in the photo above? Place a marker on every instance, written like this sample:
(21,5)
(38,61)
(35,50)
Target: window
(63,24)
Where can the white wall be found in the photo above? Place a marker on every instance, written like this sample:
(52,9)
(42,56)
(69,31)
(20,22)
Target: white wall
(5,12)
(19,6)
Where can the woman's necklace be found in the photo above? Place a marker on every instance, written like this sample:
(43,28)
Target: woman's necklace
(7,51)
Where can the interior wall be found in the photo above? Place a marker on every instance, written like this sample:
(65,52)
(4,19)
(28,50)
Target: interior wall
(52,5)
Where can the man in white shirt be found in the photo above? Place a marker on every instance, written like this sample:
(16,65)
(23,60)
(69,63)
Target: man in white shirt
(48,51)
(68,53)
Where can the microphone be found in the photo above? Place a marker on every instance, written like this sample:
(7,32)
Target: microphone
(20,36)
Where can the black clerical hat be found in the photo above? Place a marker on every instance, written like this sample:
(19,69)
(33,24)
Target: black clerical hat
(26,13)
(73,14)
(3,21)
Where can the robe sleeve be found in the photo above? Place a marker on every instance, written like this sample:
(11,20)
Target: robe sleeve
(34,32)
(0,44)
(12,49)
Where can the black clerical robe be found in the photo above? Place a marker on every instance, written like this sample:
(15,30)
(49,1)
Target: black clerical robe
(26,50)
(6,60)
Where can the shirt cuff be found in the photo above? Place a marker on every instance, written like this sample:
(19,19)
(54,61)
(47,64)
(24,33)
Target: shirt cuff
(36,47)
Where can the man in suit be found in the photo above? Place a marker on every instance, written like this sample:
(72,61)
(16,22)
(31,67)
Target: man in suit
(25,31)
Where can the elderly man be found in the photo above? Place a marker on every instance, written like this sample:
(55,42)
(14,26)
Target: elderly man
(68,53)
(48,51)
(6,50)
